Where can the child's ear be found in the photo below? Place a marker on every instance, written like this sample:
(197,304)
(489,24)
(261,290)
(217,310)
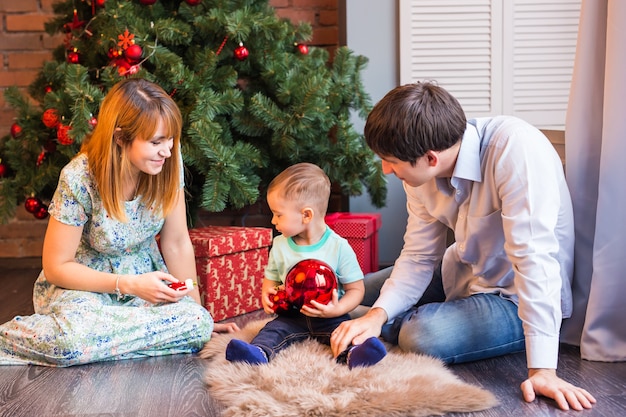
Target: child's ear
(307,214)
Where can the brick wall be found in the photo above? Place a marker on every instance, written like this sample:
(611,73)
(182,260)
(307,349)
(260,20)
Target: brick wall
(24,46)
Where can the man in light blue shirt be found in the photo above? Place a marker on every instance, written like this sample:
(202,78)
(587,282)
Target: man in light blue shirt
(505,284)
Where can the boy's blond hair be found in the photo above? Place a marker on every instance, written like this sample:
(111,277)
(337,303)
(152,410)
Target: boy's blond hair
(305,184)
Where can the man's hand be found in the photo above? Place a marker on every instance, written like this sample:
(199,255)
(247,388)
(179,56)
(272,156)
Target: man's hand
(545,382)
(355,332)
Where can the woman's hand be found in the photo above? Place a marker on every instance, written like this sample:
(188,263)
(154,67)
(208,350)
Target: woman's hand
(152,287)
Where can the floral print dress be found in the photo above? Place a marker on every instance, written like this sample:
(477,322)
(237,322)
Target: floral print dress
(72,327)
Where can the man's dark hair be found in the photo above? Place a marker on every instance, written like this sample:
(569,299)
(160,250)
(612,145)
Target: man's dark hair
(413,119)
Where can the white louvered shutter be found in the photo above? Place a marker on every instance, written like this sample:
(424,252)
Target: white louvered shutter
(495,56)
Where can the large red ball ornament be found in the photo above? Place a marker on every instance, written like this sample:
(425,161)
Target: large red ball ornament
(3,169)
(241,52)
(193,2)
(308,280)
(63,135)
(41,213)
(133,53)
(16,130)
(50,118)
(32,204)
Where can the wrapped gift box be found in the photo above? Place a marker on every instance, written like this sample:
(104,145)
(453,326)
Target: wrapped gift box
(231,265)
(361,231)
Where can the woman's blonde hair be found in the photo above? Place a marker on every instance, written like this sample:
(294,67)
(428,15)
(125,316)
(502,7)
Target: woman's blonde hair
(305,184)
(132,110)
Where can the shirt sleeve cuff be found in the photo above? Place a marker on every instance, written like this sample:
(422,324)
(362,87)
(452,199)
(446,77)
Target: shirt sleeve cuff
(387,304)
(542,352)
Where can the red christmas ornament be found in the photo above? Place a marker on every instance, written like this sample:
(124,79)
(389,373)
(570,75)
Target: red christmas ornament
(308,280)
(122,66)
(41,213)
(3,169)
(16,130)
(147,2)
(181,285)
(241,52)
(304,49)
(47,89)
(75,24)
(73,57)
(100,3)
(50,118)
(133,53)
(63,136)
(193,2)
(114,53)
(93,122)
(41,157)
(32,204)
(50,146)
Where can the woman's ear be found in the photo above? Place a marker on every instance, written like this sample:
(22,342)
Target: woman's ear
(307,215)
(117,136)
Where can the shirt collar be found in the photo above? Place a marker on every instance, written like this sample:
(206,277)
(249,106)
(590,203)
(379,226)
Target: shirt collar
(467,165)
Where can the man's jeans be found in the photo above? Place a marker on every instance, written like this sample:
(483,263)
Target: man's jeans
(478,327)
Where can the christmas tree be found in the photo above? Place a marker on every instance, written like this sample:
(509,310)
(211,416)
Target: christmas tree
(255,98)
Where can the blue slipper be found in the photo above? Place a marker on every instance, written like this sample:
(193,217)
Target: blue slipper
(240,351)
(367,353)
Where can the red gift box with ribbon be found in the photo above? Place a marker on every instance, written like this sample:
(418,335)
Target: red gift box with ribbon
(231,262)
(361,231)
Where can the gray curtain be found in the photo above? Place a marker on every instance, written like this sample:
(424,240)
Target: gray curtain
(595,137)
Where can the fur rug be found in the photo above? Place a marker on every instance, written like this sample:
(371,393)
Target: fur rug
(304,380)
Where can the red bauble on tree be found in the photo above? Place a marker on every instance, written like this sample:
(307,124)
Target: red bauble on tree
(63,136)
(114,53)
(304,49)
(16,130)
(147,2)
(41,157)
(32,204)
(50,118)
(133,53)
(193,2)
(122,65)
(73,57)
(41,213)
(3,169)
(50,146)
(47,89)
(241,52)
(100,3)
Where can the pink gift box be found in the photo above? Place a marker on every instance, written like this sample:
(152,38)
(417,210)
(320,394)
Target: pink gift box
(361,231)
(230,262)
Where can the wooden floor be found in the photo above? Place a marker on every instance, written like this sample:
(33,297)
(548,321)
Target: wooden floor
(173,385)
